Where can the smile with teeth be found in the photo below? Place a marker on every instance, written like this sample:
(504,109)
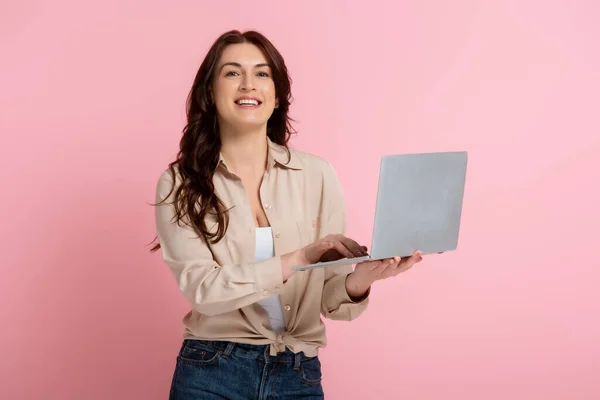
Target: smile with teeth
(247,102)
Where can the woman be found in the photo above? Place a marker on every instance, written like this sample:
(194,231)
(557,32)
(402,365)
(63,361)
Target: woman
(235,211)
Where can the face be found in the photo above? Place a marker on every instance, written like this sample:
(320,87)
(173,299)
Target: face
(243,89)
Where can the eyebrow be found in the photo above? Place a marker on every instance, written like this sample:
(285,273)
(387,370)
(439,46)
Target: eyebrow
(235,64)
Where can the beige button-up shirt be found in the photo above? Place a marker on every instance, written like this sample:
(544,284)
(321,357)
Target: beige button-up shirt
(303,201)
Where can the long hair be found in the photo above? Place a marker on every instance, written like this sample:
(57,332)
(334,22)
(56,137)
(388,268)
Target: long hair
(200,145)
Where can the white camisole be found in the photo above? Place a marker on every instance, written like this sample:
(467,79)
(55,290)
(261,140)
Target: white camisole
(272,305)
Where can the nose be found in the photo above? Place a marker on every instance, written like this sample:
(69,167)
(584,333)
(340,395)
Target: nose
(247,84)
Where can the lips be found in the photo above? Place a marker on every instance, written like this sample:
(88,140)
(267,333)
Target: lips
(248,101)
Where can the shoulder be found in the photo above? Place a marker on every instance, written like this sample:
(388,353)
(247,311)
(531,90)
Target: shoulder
(167,181)
(168,176)
(313,164)
(319,171)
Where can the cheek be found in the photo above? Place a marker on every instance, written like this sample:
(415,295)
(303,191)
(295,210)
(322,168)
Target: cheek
(220,102)
(222,93)
(269,94)
(269,98)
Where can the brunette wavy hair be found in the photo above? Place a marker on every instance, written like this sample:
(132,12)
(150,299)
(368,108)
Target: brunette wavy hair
(200,145)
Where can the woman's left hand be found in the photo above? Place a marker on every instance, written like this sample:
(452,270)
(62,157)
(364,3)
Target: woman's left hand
(366,273)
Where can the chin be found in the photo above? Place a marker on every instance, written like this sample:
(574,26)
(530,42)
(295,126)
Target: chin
(249,123)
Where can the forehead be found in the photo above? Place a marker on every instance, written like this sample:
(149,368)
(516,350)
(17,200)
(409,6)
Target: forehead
(246,54)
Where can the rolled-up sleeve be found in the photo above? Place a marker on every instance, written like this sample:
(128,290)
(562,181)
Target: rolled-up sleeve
(336,304)
(209,287)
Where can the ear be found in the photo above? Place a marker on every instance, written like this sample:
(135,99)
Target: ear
(276,102)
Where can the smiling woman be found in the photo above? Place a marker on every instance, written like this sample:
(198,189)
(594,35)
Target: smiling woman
(235,212)
(237,66)
(243,83)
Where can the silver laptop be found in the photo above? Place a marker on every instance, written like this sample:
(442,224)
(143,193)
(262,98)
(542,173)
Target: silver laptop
(419,206)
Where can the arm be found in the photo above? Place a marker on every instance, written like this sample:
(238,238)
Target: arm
(209,287)
(337,303)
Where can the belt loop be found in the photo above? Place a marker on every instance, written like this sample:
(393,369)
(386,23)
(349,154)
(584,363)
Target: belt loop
(229,349)
(297,361)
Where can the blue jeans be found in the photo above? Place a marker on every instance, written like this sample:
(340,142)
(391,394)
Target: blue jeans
(234,371)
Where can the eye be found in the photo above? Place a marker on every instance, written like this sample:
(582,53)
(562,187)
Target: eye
(263,74)
(231,73)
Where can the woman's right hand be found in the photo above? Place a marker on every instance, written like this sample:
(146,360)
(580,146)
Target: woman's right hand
(328,248)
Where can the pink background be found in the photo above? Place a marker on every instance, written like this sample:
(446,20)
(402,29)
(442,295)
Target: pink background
(92,109)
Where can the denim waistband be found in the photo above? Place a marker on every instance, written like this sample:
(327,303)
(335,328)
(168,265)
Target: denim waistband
(258,352)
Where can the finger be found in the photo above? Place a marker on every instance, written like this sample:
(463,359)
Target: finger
(327,247)
(407,263)
(352,245)
(393,266)
(386,265)
(331,255)
(402,267)
(414,258)
(369,265)
(327,250)
(339,246)
(372,266)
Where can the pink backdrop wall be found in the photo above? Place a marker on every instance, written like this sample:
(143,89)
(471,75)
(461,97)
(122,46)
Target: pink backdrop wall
(92,99)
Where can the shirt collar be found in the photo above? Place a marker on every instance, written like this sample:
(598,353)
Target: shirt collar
(281,155)
(277,154)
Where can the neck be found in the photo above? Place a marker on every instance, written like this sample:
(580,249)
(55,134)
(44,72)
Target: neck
(245,152)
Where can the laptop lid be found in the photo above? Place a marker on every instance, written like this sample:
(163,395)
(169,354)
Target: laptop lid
(419,203)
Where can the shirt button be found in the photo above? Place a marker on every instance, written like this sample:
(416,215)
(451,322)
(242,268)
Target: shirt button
(277,234)
(265,292)
(287,307)
(268,206)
